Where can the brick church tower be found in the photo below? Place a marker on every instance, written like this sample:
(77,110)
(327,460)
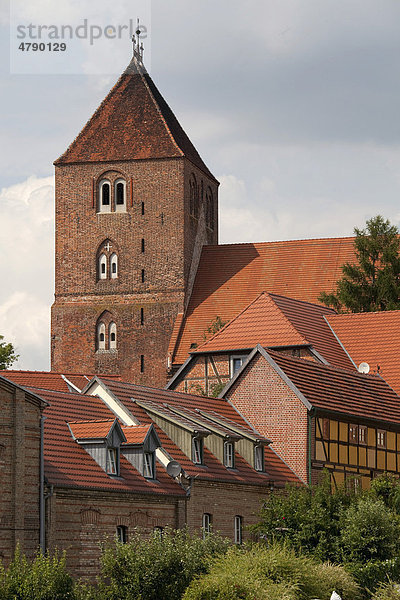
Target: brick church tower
(135,203)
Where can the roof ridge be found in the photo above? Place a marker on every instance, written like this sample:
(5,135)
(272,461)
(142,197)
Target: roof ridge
(316,306)
(322,239)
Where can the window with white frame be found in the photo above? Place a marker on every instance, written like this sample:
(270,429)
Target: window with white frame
(101,336)
(236,363)
(259,458)
(120,195)
(197,450)
(148,465)
(113,336)
(102,266)
(104,196)
(238,526)
(206,524)
(229,455)
(114,265)
(122,534)
(112,466)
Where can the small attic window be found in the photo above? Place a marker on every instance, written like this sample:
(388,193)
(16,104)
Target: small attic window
(148,465)
(197,451)
(112,466)
(229,455)
(259,458)
(236,363)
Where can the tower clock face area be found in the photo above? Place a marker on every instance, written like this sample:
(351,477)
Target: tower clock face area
(134,206)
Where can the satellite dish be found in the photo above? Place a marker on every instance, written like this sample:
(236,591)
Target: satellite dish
(173,468)
(363,368)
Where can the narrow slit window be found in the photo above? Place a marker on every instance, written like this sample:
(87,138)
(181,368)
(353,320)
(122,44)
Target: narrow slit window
(142,363)
(113,336)
(142,208)
(142,245)
(142,316)
(114,266)
(142,276)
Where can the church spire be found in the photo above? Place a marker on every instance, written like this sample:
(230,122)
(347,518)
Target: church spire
(138,47)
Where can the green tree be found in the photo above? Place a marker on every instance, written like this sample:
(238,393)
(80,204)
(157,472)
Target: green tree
(373,282)
(7,354)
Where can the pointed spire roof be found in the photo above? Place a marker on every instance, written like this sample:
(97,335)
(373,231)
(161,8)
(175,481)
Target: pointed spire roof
(132,123)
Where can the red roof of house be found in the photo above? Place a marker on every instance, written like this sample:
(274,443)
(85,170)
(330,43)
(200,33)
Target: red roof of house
(342,391)
(374,338)
(275,468)
(91,429)
(229,276)
(133,122)
(272,321)
(49,380)
(136,435)
(67,463)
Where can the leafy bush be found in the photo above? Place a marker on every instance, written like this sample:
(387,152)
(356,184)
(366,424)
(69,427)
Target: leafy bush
(44,578)
(271,573)
(387,591)
(155,568)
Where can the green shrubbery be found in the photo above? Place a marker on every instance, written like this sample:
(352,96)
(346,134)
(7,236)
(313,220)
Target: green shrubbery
(262,573)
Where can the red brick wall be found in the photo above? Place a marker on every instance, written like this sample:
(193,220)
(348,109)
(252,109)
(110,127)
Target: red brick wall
(265,400)
(19,472)
(170,237)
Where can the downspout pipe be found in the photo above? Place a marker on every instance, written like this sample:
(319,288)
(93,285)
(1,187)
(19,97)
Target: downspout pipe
(42,541)
(311,414)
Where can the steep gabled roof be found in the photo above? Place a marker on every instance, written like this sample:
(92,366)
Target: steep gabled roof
(50,380)
(332,389)
(229,276)
(132,123)
(374,338)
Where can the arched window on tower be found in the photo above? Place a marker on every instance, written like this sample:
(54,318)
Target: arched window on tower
(114,265)
(104,196)
(113,336)
(120,195)
(101,336)
(102,266)
(193,197)
(209,209)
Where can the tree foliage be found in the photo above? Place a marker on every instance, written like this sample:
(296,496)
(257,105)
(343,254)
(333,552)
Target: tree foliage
(7,354)
(373,282)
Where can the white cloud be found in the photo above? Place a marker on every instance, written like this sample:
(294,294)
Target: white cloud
(26,257)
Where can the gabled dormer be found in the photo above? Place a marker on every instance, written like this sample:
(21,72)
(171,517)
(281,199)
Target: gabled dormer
(102,440)
(140,449)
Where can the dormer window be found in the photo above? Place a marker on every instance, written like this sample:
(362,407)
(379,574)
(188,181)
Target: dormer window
(120,195)
(236,363)
(112,467)
(197,451)
(259,458)
(229,455)
(148,465)
(104,196)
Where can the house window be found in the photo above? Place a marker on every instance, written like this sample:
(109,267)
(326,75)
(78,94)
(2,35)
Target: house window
(101,336)
(112,461)
(381,438)
(236,363)
(229,455)
(120,195)
(158,531)
(122,534)
(353,434)
(259,458)
(113,336)
(206,524)
(362,435)
(238,526)
(148,465)
(197,451)
(102,266)
(114,266)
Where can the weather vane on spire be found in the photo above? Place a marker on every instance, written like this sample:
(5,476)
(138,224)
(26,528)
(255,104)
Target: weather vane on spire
(137,44)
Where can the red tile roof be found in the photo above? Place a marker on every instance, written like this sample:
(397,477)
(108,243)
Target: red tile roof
(133,122)
(342,391)
(67,464)
(91,429)
(49,380)
(229,276)
(276,469)
(373,338)
(136,435)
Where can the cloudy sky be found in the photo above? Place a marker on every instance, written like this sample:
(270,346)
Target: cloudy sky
(293,104)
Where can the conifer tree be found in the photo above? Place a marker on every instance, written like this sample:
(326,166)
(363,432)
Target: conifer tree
(373,282)
(7,354)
